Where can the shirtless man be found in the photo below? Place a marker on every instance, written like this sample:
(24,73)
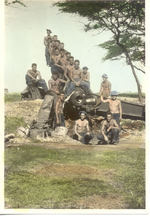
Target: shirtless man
(59,110)
(75,77)
(54,86)
(114,106)
(85,77)
(70,68)
(109,133)
(47,41)
(82,131)
(105,88)
(33,78)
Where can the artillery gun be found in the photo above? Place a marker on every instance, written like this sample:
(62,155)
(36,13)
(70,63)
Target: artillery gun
(79,100)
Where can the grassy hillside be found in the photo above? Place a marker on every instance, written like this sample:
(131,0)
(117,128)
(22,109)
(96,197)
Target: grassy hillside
(37,177)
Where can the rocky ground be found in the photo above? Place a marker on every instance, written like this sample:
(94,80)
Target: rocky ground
(130,135)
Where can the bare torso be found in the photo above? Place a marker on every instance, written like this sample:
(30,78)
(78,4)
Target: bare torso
(81,126)
(114,106)
(76,73)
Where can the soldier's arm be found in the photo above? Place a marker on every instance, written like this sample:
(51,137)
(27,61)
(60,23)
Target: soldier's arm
(87,127)
(29,74)
(103,130)
(39,75)
(109,87)
(104,101)
(63,81)
(49,84)
(75,129)
(88,77)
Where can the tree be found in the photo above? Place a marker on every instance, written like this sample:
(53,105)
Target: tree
(125,19)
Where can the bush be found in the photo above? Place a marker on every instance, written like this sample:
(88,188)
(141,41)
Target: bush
(12,97)
(12,123)
(132,95)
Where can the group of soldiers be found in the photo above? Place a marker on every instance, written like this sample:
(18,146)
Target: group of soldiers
(66,75)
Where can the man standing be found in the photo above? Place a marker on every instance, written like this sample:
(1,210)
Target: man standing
(114,106)
(105,88)
(47,41)
(59,110)
(109,133)
(33,78)
(82,131)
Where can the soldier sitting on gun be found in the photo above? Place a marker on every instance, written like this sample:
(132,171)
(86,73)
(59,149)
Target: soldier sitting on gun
(82,131)
(109,133)
(33,78)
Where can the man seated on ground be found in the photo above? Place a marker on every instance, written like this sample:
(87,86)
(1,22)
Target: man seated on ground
(33,78)
(109,133)
(82,131)
(114,106)
(60,121)
(85,77)
(47,41)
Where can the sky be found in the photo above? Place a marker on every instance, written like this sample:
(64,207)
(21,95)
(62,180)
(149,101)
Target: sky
(25,29)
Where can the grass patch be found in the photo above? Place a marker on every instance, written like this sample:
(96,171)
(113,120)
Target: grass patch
(12,97)
(31,190)
(25,189)
(12,123)
(131,124)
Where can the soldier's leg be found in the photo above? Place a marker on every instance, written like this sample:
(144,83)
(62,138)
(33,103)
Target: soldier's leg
(101,139)
(115,135)
(70,89)
(75,136)
(47,56)
(42,83)
(116,116)
(87,138)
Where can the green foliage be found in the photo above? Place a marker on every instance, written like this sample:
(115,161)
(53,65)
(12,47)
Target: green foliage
(12,97)
(25,188)
(12,123)
(131,95)
(125,19)
(131,124)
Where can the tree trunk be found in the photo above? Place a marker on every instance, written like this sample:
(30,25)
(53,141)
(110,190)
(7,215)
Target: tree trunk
(135,76)
(133,70)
